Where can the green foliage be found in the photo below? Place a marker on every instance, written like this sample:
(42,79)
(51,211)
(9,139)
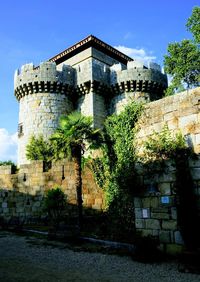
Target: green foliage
(6,163)
(164,145)
(114,172)
(183,59)
(39,149)
(183,63)
(193,24)
(75,131)
(55,204)
(173,87)
(70,139)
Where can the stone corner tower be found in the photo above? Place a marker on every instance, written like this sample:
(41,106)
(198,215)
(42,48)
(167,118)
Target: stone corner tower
(42,93)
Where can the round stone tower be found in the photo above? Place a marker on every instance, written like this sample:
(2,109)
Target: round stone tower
(43,95)
(137,82)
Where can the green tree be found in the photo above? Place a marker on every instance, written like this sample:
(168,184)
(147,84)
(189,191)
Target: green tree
(39,149)
(70,140)
(183,63)
(193,24)
(183,59)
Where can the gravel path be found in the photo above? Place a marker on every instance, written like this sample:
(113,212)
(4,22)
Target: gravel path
(29,259)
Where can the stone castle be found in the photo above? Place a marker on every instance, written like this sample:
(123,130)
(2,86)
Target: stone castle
(91,76)
(98,80)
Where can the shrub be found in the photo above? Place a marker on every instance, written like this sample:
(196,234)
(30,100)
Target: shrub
(55,204)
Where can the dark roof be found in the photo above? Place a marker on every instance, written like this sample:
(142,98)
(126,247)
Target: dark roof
(90,41)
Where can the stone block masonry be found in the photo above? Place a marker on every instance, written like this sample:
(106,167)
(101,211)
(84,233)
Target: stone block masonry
(39,115)
(22,194)
(180,112)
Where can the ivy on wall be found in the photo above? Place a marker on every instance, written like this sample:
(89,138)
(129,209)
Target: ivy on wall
(115,170)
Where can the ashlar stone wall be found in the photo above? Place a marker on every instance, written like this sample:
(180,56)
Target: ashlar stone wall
(156,205)
(180,112)
(22,194)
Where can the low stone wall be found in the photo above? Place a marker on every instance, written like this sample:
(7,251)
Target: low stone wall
(22,194)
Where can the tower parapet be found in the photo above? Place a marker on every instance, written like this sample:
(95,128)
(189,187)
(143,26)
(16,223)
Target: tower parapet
(137,82)
(139,78)
(43,79)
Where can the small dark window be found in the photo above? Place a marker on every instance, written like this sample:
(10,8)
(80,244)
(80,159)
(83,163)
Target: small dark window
(20,130)
(46,166)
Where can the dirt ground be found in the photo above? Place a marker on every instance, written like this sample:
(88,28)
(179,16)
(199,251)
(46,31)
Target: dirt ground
(31,259)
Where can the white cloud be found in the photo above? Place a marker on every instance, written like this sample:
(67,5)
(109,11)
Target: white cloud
(140,54)
(8,145)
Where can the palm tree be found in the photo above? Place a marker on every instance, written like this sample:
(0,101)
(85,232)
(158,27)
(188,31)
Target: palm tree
(70,140)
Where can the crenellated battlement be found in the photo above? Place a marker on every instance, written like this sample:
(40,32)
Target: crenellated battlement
(138,77)
(44,78)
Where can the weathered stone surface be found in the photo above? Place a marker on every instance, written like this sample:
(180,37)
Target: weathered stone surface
(165,236)
(165,188)
(146,232)
(174,213)
(138,213)
(195,173)
(140,223)
(137,202)
(178,238)
(169,224)
(152,224)
(27,199)
(174,249)
(160,215)
(180,112)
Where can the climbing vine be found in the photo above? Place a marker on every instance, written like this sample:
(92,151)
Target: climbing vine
(114,171)
(164,145)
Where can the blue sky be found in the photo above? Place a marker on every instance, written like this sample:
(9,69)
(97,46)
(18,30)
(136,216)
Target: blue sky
(33,31)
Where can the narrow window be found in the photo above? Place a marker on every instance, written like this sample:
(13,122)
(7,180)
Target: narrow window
(20,130)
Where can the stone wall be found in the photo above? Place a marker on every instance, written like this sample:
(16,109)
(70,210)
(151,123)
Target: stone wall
(22,194)
(156,204)
(181,112)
